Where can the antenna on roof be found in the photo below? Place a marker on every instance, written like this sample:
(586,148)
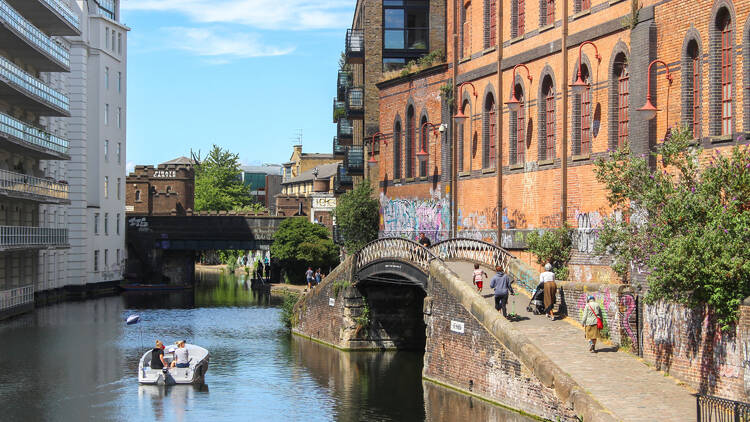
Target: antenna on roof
(298,137)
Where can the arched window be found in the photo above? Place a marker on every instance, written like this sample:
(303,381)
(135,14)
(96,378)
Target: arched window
(620,89)
(518,129)
(397,150)
(581,5)
(722,75)
(424,145)
(465,44)
(582,116)
(547,120)
(691,77)
(137,195)
(489,131)
(490,23)
(517,18)
(463,128)
(410,144)
(546,12)
(169,189)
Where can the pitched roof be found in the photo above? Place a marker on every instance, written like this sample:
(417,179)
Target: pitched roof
(325,171)
(180,160)
(265,169)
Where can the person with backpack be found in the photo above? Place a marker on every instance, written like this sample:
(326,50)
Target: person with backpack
(592,322)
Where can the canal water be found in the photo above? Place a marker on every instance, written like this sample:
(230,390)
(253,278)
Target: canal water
(77,361)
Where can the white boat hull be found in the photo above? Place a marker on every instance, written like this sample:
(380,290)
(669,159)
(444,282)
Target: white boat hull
(195,373)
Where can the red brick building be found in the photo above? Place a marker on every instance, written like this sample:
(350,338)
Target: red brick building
(499,173)
(167,189)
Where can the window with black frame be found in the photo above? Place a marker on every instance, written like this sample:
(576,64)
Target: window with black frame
(405,31)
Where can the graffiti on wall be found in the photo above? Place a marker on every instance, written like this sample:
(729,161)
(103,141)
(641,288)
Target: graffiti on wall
(585,236)
(746,359)
(479,225)
(414,215)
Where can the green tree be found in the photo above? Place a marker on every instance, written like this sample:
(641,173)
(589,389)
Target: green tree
(685,225)
(218,182)
(554,247)
(299,244)
(357,216)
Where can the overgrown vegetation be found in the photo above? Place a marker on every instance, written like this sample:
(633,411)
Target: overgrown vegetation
(299,244)
(357,216)
(446,93)
(631,20)
(287,309)
(218,182)
(363,319)
(686,225)
(414,66)
(553,246)
(339,286)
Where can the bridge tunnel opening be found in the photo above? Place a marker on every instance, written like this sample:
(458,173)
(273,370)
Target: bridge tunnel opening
(395,312)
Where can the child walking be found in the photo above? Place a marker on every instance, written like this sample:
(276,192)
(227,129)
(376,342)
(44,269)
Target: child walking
(478,278)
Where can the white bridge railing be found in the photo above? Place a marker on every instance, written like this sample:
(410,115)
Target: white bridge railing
(16,297)
(395,248)
(480,252)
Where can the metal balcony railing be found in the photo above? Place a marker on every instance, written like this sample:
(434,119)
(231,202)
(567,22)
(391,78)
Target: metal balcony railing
(343,178)
(343,82)
(344,131)
(339,110)
(23,81)
(65,11)
(106,8)
(24,183)
(337,147)
(355,159)
(15,297)
(355,102)
(32,34)
(355,44)
(21,236)
(26,133)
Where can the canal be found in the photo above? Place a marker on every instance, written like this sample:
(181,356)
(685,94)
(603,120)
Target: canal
(78,360)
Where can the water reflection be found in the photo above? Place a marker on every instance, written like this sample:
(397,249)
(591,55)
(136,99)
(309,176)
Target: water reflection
(77,361)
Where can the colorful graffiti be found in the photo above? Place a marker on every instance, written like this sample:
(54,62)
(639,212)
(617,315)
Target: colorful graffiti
(412,216)
(628,317)
(746,359)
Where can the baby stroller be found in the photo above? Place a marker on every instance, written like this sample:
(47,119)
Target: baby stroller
(536,305)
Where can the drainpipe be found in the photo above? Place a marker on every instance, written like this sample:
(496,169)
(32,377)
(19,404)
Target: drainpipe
(499,137)
(564,149)
(456,101)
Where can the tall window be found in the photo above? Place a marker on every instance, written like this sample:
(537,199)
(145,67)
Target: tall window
(694,79)
(106,150)
(96,223)
(410,144)
(727,45)
(106,258)
(106,77)
(546,12)
(119,183)
(138,196)
(397,150)
(405,31)
(96,261)
(106,114)
(113,40)
(586,121)
(466,29)
(581,5)
(117,230)
(581,120)
(490,23)
(547,120)
(106,223)
(518,129)
(119,81)
(517,18)
(106,186)
(119,117)
(489,127)
(119,43)
(119,152)
(424,145)
(106,37)
(623,89)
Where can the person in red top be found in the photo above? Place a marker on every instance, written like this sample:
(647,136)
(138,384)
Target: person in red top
(478,277)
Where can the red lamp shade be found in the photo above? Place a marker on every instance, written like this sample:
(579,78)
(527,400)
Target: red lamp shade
(513,104)
(422,155)
(372,162)
(579,86)
(460,116)
(648,111)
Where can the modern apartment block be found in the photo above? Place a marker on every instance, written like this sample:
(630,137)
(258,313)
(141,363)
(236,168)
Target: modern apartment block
(385,36)
(33,233)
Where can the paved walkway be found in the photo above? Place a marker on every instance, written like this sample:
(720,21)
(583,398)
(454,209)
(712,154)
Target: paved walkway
(618,380)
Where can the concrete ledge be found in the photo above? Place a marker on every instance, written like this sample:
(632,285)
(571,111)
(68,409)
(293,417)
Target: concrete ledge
(549,374)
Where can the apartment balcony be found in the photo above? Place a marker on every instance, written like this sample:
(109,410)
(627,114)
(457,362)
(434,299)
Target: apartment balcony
(51,16)
(22,237)
(19,88)
(343,179)
(26,139)
(355,102)
(345,131)
(355,46)
(338,149)
(339,110)
(354,161)
(23,186)
(22,40)
(343,81)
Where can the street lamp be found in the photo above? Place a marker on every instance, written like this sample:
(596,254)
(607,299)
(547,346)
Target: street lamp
(460,116)
(372,162)
(422,154)
(514,104)
(648,111)
(579,86)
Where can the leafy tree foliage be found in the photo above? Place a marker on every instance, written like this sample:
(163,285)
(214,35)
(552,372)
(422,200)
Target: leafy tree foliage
(299,244)
(554,247)
(218,183)
(686,225)
(357,216)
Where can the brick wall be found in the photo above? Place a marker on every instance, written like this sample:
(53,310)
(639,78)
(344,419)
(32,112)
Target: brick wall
(163,190)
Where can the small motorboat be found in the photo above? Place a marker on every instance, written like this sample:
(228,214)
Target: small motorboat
(193,374)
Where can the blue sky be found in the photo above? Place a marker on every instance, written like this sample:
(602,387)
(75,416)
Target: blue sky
(242,74)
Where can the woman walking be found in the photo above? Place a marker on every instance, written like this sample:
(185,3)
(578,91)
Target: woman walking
(550,290)
(592,322)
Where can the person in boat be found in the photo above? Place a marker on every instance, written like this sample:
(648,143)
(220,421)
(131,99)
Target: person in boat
(157,356)
(181,358)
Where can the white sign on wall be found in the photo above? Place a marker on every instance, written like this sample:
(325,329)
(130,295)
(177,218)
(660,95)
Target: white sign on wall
(324,202)
(457,327)
(164,174)
(331,301)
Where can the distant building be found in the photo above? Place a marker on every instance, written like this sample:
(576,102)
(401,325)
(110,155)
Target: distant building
(301,162)
(264,182)
(168,189)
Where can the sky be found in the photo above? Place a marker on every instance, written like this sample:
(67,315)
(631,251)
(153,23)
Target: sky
(246,75)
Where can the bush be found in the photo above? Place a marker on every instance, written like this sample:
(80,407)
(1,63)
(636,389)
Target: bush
(684,226)
(554,247)
(287,309)
(299,244)
(357,216)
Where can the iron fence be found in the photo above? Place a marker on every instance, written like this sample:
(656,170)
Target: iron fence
(715,409)
(24,183)
(18,296)
(355,159)
(337,147)
(343,82)
(344,129)
(355,43)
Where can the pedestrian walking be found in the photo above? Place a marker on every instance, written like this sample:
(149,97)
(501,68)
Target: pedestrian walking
(478,277)
(550,290)
(501,282)
(309,276)
(424,240)
(318,276)
(592,322)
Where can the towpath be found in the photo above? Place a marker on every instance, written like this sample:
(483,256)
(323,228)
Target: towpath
(618,380)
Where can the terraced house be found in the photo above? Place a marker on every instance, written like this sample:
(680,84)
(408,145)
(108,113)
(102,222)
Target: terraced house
(532,93)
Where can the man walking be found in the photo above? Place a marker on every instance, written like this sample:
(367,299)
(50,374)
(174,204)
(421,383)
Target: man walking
(501,282)
(309,276)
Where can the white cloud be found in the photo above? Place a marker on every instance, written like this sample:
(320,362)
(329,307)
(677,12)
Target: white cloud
(129,167)
(220,46)
(261,14)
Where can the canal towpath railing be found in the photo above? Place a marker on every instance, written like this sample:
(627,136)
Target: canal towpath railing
(17,296)
(24,183)
(394,248)
(716,409)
